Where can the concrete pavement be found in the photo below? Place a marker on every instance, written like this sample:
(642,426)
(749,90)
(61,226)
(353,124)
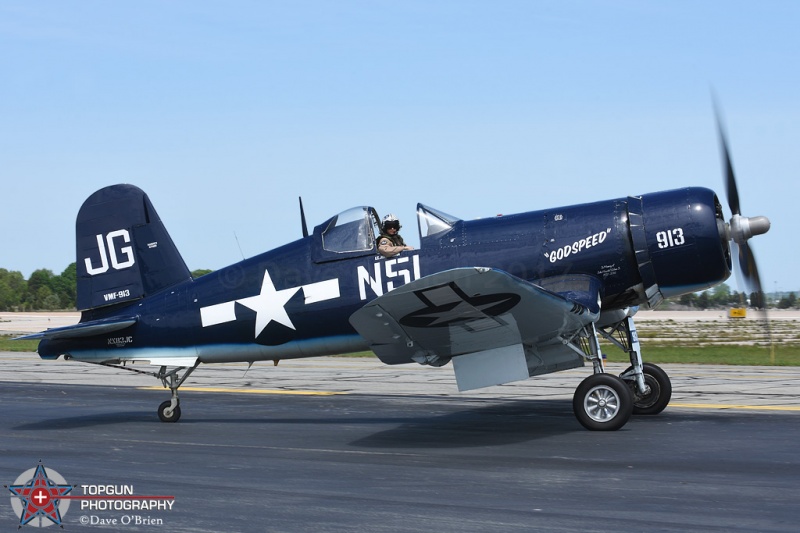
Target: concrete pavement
(694,386)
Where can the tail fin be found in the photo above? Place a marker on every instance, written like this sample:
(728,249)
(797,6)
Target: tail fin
(123,250)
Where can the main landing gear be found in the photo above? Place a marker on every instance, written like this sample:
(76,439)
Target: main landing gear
(604,402)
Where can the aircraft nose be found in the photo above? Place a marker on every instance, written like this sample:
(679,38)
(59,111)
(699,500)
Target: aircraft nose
(744,228)
(759,225)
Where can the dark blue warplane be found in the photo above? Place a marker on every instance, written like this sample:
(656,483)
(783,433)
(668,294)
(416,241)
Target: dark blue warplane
(504,298)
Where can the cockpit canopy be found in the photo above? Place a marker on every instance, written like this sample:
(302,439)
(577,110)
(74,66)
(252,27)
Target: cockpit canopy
(353,233)
(433,222)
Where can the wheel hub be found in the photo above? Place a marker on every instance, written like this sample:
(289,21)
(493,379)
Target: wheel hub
(602,404)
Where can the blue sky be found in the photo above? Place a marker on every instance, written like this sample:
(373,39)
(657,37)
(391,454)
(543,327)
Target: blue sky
(226,112)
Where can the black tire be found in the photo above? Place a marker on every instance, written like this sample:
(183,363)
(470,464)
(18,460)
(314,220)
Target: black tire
(602,402)
(660,391)
(174,416)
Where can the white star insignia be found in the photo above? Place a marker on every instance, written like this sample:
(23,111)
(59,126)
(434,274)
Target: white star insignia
(269,305)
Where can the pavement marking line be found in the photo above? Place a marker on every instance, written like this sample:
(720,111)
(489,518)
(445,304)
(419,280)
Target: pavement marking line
(735,406)
(250,391)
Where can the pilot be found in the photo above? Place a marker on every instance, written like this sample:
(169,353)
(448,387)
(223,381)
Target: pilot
(390,243)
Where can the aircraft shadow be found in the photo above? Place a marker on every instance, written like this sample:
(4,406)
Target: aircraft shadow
(499,424)
(85,421)
(491,425)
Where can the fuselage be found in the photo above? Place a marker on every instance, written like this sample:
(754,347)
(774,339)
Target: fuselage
(295,301)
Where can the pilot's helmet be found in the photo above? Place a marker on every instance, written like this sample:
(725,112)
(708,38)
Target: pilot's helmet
(391,221)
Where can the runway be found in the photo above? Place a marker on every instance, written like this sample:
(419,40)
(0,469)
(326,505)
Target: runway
(359,446)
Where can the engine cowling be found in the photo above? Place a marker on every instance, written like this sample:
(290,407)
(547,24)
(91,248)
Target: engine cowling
(681,241)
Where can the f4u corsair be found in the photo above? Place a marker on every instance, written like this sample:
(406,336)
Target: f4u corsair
(504,299)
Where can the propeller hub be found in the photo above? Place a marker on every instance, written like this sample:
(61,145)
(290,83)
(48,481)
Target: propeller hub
(743,228)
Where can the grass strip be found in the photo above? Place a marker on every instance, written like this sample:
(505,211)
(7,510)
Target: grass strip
(713,355)
(9,345)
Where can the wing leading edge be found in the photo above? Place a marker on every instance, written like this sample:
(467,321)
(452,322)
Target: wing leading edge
(494,326)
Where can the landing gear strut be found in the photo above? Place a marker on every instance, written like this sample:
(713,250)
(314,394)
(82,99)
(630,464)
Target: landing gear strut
(170,410)
(650,386)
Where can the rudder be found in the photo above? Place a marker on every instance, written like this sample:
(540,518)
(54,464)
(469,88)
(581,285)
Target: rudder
(123,250)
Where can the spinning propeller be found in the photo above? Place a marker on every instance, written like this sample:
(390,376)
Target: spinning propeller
(740,228)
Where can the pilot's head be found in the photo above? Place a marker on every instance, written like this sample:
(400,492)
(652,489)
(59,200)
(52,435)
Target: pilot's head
(391,222)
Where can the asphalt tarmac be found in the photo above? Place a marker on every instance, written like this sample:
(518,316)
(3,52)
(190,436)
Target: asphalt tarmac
(335,444)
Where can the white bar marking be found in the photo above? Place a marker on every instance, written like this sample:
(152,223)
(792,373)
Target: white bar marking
(218,314)
(321,291)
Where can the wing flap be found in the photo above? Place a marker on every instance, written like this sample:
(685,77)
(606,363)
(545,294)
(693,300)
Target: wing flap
(491,367)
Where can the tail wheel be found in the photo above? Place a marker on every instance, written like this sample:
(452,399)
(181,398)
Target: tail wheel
(169,416)
(660,391)
(602,402)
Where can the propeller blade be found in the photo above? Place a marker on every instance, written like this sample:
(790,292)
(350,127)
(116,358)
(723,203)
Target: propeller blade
(758,299)
(742,229)
(749,268)
(731,190)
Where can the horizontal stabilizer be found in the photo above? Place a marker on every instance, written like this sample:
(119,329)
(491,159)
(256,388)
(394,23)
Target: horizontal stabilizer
(85,329)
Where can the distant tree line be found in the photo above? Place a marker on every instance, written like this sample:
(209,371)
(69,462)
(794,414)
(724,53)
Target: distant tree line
(721,296)
(787,302)
(44,290)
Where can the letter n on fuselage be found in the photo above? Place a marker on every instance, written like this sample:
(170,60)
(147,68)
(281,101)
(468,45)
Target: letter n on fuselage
(364,279)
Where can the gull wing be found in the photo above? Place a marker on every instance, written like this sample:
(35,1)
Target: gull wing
(494,326)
